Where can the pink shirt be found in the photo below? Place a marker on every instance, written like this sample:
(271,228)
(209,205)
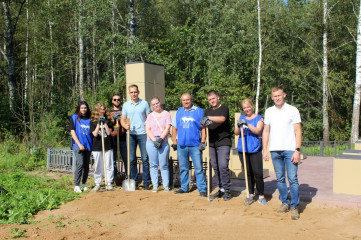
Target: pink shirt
(164,119)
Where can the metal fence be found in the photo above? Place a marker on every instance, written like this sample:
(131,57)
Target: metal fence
(326,149)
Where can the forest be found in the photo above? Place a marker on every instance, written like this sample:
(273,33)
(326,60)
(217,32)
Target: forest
(54,53)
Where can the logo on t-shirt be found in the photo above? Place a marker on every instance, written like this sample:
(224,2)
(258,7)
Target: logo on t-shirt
(187,121)
(104,133)
(84,129)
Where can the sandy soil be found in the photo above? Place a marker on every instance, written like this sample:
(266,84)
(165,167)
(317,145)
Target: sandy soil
(147,215)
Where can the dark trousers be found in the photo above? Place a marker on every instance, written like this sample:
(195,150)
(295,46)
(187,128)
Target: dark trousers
(123,153)
(82,159)
(254,171)
(219,157)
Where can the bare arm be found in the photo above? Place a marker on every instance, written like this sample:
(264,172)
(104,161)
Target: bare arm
(265,140)
(217,119)
(203,139)
(298,134)
(149,132)
(165,131)
(96,131)
(108,130)
(174,135)
(123,121)
(76,139)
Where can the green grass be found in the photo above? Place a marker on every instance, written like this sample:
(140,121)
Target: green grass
(328,151)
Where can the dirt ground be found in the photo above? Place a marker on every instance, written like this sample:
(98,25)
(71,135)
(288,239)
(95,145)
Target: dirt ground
(146,215)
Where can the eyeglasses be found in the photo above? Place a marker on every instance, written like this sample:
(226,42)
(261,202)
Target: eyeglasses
(116,99)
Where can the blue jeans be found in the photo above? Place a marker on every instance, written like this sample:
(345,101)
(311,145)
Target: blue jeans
(158,157)
(183,153)
(139,140)
(123,153)
(281,162)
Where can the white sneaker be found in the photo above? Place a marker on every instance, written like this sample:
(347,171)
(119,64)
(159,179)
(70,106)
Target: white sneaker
(96,188)
(109,187)
(85,188)
(77,189)
(166,189)
(155,189)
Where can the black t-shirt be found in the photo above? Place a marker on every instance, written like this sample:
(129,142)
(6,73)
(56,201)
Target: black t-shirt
(219,133)
(97,141)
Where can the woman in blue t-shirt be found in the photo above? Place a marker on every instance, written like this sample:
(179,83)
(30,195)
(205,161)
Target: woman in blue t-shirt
(82,141)
(252,129)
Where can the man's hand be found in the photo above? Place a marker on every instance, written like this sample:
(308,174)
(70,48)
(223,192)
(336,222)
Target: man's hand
(174,146)
(202,146)
(265,155)
(241,122)
(296,157)
(101,120)
(205,121)
(116,116)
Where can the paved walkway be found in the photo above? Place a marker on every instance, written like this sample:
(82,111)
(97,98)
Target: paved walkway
(316,184)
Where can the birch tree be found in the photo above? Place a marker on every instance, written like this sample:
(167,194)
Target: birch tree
(326,127)
(260,54)
(81,52)
(356,100)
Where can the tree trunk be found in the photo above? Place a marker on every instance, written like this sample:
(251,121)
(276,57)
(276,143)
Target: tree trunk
(81,53)
(113,44)
(10,56)
(326,130)
(259,57)
(132,26)
(51,57)
(356,100)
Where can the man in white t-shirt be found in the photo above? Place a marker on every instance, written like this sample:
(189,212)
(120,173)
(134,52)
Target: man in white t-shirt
(282,130)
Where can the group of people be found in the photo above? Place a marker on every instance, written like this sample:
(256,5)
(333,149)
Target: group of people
(280,129)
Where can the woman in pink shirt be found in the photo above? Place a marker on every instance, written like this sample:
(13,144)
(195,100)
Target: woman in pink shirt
(157,127)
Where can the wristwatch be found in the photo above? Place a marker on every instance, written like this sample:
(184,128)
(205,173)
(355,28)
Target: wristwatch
(298,149)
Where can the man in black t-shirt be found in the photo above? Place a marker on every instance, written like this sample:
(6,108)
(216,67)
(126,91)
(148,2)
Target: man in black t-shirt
(217,119)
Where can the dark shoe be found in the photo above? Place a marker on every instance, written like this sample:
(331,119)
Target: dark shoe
(203,194)
(146,187)
(179,191)
(218,194)
(227,196)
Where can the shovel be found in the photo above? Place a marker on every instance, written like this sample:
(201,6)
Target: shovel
(247,203)
(208,169)
(103,150)
(128,184)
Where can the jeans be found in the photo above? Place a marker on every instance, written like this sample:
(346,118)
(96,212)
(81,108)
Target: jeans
(82,159)
(139,140)
(281,162)
(183,153)
(123,153)
(219,157)
(158,157)
(254,171)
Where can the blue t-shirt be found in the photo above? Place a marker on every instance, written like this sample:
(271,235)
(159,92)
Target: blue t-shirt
(82,131)
(188,127)
(137,114)
(252,143)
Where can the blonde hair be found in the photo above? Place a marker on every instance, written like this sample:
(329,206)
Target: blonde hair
(248,102)
(96,112)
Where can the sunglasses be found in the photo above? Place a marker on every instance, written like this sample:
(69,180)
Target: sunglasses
(116,99)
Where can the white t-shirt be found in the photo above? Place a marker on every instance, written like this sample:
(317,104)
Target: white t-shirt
(281,122)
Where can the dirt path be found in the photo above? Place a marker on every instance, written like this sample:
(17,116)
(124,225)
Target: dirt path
(147,215)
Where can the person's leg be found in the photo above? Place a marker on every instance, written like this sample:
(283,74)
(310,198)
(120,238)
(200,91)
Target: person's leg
(163,156)
(196,156)
(153,162)
(98,167)
(109,166)
(249,179)
(115,155)
(132,157)
(183,162)
(123,153)
(279,166)
(257,168)
(292,179)
(86,161)
(78,171)
(223,161)
(142,141)
(214,162)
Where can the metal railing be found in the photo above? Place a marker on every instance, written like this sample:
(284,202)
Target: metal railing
(326,149)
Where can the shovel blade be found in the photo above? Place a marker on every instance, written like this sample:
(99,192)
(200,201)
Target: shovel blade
(128,185)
